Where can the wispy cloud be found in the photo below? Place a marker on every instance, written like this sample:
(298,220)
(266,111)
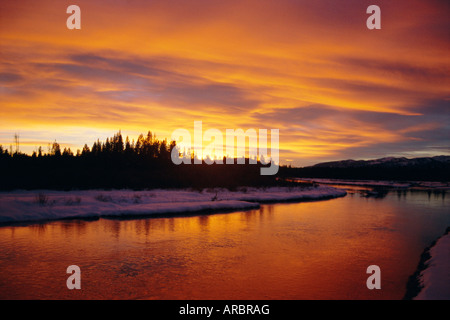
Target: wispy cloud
(311,68)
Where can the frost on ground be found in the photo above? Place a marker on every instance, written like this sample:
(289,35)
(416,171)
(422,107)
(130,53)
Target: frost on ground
(20,206)
(435,278)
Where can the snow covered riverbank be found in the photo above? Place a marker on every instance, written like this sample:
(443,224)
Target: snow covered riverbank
(418,185)
(39,205)
(434,279)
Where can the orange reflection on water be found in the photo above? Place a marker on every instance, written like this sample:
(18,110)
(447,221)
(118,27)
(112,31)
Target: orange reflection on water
(312,250)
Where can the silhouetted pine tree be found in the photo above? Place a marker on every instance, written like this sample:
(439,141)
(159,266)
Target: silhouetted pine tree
(115,164)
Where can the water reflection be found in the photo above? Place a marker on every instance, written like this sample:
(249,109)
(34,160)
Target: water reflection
(311,250)
(401,194)
(377,193)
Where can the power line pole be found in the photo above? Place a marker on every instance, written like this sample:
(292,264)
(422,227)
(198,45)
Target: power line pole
(16,140)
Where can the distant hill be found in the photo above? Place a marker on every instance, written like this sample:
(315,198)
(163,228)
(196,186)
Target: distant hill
(416,169)
(388,162)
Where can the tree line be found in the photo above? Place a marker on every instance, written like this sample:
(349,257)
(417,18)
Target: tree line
(119,163)
(147,146)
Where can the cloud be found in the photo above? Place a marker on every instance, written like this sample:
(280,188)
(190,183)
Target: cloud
(344,133)
(8,79)
(310,68)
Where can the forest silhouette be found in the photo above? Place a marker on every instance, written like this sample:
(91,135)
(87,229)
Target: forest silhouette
(118,163)
(146,164)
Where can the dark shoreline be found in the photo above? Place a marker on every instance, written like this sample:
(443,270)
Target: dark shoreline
(413,286)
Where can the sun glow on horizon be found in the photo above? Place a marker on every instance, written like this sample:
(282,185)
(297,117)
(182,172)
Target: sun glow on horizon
(313,70)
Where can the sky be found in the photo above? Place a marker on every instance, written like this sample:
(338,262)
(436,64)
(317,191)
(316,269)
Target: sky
(312,69)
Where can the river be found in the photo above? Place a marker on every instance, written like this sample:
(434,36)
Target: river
(307,250)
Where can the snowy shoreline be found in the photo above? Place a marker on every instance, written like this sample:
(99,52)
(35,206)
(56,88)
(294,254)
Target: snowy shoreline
(413,185)
(432,277)
(47,205)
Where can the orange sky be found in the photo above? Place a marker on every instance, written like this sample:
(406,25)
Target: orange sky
(312,69)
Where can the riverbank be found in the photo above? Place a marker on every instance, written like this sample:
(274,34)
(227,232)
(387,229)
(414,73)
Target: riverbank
(432,277)
(411,185)
(46,205)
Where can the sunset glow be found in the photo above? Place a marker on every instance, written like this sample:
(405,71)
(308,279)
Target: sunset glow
(311,69)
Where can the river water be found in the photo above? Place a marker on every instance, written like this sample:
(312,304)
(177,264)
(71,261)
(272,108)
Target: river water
(308,250)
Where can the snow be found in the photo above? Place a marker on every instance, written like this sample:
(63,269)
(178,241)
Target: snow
(378,183)
(26,206)
(436,277)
